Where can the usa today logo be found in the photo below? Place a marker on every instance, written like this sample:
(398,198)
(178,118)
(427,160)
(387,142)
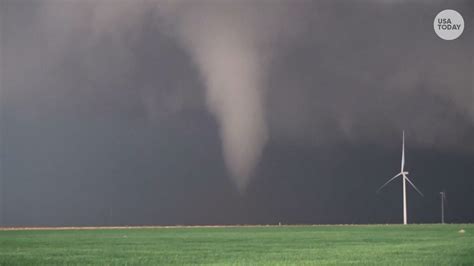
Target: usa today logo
(448,24)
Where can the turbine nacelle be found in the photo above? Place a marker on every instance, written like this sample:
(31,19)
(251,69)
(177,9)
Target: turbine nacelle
(405,172)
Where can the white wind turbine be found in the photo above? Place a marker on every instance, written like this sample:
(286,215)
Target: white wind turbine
(405,178)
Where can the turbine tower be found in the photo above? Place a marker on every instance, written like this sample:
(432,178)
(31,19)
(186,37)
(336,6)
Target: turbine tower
(404,174)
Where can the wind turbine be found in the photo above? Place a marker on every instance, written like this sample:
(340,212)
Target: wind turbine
(404,174)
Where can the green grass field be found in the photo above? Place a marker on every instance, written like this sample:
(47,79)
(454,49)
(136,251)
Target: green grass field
(272,245)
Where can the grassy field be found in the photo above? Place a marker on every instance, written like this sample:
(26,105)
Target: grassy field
(272,245)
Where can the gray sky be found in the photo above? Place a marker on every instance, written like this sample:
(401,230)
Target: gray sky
(223,112)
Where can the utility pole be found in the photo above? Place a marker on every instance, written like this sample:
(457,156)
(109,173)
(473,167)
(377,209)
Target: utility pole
(442,206)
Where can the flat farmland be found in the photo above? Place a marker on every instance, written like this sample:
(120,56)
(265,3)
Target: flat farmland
(450,244)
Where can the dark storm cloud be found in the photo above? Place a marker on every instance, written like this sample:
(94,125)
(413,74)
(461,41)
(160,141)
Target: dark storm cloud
(227,41)
(114,112)
(388,71)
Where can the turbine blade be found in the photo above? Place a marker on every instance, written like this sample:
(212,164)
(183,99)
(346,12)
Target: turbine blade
(386,183)
(403,152)
(413,185)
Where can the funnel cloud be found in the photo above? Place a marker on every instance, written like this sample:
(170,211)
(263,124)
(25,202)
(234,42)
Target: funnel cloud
(226,52)
(232,42)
